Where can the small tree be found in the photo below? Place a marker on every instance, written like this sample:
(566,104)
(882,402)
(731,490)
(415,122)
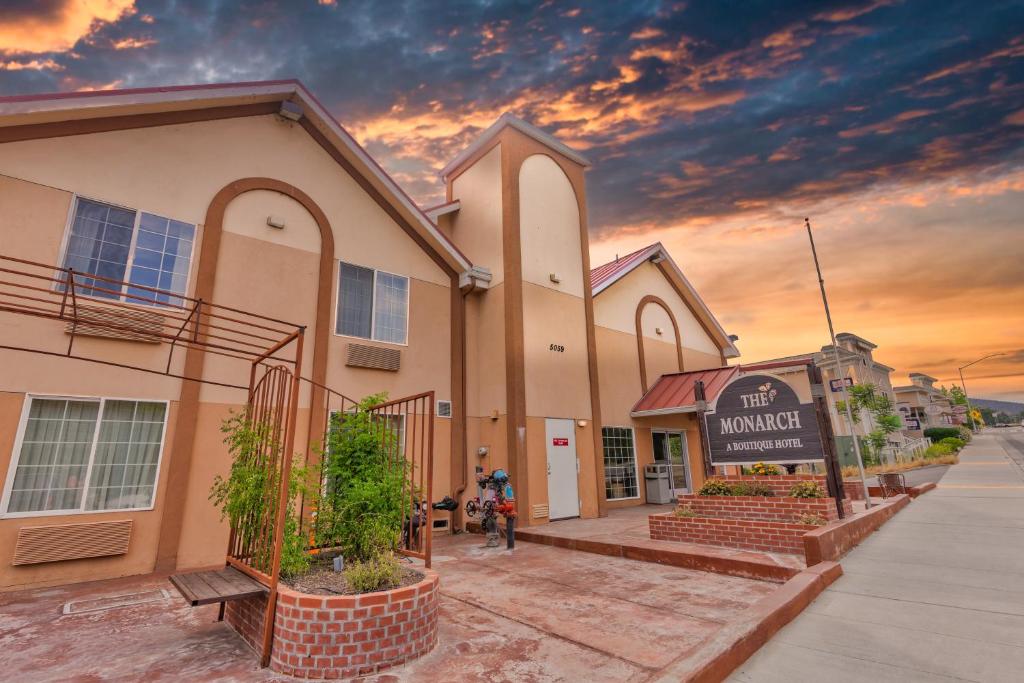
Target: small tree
(365,484)
(867,397)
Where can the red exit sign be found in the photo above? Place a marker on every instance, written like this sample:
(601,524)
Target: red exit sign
(559,442)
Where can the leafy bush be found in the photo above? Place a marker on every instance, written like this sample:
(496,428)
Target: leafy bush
(715,487)
(937,450)
(953,442)
(379,573)
(937,434)
(761,469)
(751,489)
(806,489)
(684,511)
(811,518)
(965,433)
(365,488)
(248,496)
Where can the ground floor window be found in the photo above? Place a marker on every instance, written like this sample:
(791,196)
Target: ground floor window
(86,455)
(620,479)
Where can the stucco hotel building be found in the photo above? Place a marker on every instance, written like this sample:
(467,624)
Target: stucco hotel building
(570,376)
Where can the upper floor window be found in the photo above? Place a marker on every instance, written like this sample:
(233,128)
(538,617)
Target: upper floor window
(127,245)
(372,304)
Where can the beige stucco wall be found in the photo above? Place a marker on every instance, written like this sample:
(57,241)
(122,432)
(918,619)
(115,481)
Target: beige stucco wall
(184,165)
(557,382)
(261,269)
(476,227)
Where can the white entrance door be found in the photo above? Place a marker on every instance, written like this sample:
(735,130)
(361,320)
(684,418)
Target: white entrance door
(563,487)
(670,449)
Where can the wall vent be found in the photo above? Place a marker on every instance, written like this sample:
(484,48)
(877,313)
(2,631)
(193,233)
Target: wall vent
(53,543)
(373,357)
(117,323)
(540,511)
(444,409)
(440,524)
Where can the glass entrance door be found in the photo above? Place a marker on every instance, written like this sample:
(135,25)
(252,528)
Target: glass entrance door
(670,449)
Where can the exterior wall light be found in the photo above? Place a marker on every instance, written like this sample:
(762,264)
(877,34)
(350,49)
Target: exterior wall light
(289,110)
(275,222)
(581,423)
(657,330)
(554,278)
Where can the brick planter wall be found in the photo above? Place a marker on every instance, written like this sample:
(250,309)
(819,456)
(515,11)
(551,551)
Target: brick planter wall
(747,534)
(779,483)
(763,508)
(343,636)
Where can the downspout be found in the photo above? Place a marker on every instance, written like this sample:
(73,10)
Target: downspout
(463,456)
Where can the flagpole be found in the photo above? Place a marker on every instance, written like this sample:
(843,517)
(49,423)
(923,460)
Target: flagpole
(839,368)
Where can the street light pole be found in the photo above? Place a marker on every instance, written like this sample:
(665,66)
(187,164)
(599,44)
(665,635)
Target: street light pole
(963,385)
(839,369)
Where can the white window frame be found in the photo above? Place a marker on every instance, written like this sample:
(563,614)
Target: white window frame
(373,304)
(12,468)
(124,298)
(636,461)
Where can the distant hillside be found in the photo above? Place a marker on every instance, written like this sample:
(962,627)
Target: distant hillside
(1008,407)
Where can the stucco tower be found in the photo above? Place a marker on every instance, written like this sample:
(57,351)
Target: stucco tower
(517,206)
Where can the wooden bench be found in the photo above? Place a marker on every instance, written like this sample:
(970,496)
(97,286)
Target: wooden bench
(207,587)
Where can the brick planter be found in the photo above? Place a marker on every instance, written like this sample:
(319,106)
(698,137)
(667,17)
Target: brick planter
(766,523)
(746,534)
(762,508)
(343,636)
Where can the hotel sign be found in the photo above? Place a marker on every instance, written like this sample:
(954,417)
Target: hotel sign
(758,418)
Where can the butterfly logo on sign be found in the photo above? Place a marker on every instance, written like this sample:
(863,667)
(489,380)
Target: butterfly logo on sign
(766,389)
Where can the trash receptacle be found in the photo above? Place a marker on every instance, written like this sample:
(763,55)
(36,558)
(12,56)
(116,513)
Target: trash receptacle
(656,477)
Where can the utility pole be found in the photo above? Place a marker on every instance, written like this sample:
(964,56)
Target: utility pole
(839,368)
(963,385)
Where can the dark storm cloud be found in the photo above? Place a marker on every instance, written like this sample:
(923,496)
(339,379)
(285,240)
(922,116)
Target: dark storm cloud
(687,109)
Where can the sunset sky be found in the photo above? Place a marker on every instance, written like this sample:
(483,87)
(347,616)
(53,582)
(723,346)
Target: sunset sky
(714,126)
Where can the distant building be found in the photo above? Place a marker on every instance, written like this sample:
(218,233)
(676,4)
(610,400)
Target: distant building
(921,405)
(857,365)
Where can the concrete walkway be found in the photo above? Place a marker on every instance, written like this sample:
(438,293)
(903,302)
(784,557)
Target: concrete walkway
(937,594)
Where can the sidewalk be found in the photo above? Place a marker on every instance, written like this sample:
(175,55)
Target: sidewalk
(937,594)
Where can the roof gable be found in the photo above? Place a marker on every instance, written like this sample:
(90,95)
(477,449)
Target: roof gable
(606,275)
(58,114)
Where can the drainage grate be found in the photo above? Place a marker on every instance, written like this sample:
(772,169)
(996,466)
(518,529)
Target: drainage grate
(114,601)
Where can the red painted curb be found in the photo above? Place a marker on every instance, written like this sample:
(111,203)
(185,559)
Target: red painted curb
(715,659)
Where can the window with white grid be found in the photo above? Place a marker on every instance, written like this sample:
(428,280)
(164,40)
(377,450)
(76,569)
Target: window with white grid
(372,304)
(86,455)
(620,478)
(124,244)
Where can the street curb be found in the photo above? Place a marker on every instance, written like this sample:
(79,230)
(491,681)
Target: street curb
(834,540)
(735,642)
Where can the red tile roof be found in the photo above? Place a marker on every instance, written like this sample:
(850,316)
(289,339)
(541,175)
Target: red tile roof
(676,391)
(605,272)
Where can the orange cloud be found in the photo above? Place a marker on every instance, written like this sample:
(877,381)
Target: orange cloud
(60,29)
(34,65)
(132,43)
(888,126)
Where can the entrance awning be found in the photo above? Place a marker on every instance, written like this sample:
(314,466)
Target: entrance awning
(674,393)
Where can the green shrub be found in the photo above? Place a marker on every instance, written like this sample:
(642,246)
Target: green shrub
(248,496)
(937,450)
(715,487)
(751,489)
(379,573)
(937,434)
(365,485)
(965,433)
(684,511)
(806,489)
(953,442)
